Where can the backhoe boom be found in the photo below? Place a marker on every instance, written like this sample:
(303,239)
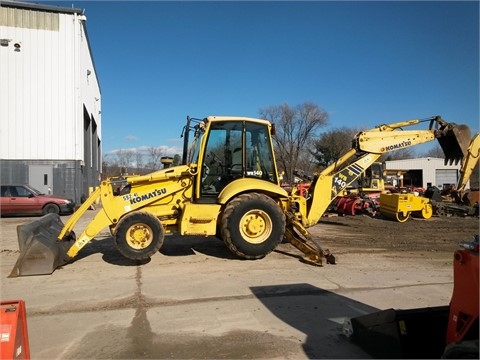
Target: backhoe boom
(369,145)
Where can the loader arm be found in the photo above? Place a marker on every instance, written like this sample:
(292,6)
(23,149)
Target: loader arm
(105,189)
(72,221)
(145,191)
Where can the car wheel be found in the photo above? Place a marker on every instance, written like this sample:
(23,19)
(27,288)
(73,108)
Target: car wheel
(51,209)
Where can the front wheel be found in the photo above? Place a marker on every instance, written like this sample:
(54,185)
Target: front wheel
(139,235)
(427,211)
(252,225)
(51,209)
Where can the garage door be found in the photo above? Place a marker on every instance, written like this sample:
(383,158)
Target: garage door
(445,177)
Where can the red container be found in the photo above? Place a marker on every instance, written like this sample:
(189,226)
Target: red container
(13,330)
(465,298)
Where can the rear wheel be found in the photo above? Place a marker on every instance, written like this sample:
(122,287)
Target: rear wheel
(51,209)
(252,225)
(139,235)
(402,218)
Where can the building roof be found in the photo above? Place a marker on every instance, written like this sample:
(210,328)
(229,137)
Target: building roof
(32,6)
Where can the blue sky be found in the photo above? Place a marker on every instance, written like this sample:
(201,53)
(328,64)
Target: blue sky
(365,63)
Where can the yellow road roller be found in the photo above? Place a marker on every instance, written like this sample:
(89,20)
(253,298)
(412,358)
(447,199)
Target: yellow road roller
(399,207)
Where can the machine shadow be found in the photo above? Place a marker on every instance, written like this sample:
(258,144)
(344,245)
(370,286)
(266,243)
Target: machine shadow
(317,313)
(173,245)
(176,245)
(111,255)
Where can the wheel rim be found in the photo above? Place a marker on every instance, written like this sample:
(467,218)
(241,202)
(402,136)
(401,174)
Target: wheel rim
(427,211)
(139,236)
(402,218)
(255,226)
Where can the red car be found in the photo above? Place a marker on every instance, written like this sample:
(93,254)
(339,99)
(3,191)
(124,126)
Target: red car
(23,199)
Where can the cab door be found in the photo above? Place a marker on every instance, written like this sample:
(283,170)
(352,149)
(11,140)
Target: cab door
(235,150)
(223,158)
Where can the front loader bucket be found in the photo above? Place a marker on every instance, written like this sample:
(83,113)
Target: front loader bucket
(454,140)
(40,250)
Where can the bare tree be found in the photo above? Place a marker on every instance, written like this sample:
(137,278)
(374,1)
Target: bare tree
(307,161)
(332,144)
(139,158)
(110,166)
(435,152)
(401,154)
(125,160)
(295,127)
(154,153)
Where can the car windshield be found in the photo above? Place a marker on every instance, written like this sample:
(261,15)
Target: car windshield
(34,191)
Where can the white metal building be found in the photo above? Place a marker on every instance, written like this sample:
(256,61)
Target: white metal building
(50,100)
(426,171)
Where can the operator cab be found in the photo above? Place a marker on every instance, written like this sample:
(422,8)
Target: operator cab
(234,148)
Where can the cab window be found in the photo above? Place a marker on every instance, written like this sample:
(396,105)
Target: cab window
(236,149)
(259,157)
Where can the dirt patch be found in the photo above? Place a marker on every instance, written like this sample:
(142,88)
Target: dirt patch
(365,232)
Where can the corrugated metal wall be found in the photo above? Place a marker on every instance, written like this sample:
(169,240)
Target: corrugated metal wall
(37,89)
(45,83)
(48,90)
(28,19)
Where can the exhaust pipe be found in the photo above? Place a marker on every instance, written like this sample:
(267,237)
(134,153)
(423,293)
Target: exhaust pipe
(40,250)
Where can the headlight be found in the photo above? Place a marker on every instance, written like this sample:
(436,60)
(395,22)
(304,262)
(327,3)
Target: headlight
(66,202)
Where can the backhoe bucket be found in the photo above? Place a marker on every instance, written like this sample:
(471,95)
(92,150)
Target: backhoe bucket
(455,140)
(40,250)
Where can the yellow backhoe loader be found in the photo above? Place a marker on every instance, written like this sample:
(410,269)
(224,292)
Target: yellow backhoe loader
(228,186)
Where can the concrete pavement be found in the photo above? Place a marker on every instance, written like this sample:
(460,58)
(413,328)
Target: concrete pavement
(195,300)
